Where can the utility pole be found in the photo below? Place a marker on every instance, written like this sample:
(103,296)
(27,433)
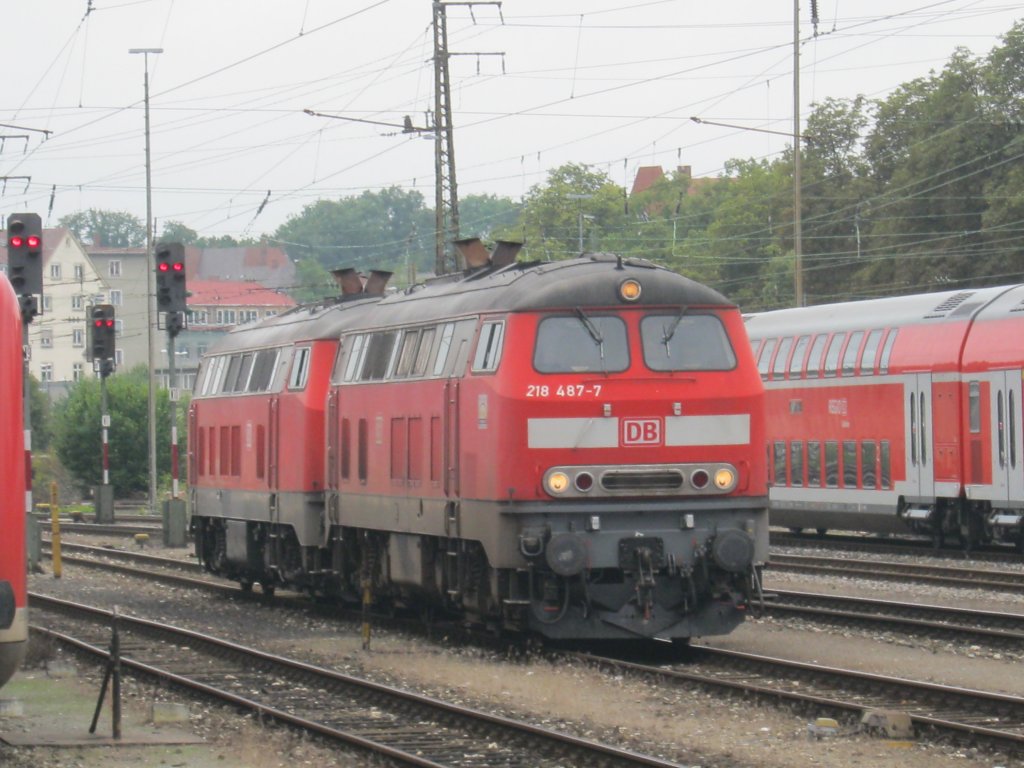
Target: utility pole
(446,193)
(798,287)
(150,291)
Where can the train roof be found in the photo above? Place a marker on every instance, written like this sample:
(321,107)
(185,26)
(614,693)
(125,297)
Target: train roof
(897,311)
(589,281)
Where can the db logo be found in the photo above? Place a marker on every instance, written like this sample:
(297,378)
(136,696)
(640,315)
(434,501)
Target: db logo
(641,432)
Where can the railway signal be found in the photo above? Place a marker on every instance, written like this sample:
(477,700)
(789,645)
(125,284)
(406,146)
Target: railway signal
(102,327)
(25,260)
(171,293)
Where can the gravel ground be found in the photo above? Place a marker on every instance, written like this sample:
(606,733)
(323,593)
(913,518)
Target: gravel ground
(692,727)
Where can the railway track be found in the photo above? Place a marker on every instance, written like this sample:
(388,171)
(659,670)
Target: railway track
(407,728)
(902,547)
(950,576)
(945,712)
(988,628)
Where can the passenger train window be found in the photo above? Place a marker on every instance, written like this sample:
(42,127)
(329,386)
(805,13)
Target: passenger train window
(1012,407)
(686,343)
(779,366)
(885,469)
(867,360)
(831,464)
(581,344)
(796,364)
(779,462)
(832,355)
(1001,425)
(814,358)
(300,369)
(849,464)
(890,340)
(913,430)
(765,358)
(488,348)
(796,463)
(868,454)
(850,355)
(974,406)
(814,464)
(924,430)
(447,331)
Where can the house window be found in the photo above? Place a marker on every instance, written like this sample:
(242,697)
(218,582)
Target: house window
(46,372)
(77,302)
(116,297)
(76,371)
(225,317)
(118,357)
(47,302)
(79,271)
(114,268)
(46,338)
(77,338)
(55,270)
(118,328)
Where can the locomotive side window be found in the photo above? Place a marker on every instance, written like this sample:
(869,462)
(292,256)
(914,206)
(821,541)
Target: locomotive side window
(300,369)
(363,450)
(867,360)
(766,357)
(378,356)
(263,368)
(831,464)
(407,352)
(686,343)
(244,370)
(447,331)
(234,363)
(974,406)
(850,356)
(355,356)
(488,348)
(581,344)
(814,464)
(419,367)
(832,354)
(814,358)
(890,340)
(346,449)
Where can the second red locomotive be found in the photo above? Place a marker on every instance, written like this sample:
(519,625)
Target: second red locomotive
(572,449)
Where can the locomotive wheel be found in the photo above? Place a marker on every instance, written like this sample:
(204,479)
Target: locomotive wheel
(267,589)
(245,586)
(796,530)
(822,531)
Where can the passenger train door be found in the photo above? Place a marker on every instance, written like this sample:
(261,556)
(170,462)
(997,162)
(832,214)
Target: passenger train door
(919,443)
(273,450)
(1007,446)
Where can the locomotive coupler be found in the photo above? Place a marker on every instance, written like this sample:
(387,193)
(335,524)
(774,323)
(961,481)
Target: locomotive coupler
(645,580)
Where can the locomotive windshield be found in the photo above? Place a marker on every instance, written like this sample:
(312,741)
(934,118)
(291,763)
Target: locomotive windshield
(581,344)
(683,342)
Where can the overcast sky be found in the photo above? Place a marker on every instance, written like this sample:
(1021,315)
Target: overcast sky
(609,83)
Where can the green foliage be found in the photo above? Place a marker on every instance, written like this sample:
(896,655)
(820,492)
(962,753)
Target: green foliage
(40,415)
(112,229)
(313,281)
(77,436)
(177,232)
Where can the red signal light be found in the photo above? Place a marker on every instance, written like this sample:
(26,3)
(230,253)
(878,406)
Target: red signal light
(110,323)
(178,266)
(17,241)
(163,266)
(34,241)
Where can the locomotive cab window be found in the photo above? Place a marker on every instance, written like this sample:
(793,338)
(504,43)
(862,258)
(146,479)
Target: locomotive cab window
(300,369)
(686,343)
(581,344)
(488,347)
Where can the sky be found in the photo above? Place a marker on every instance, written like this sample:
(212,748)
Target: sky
(535,84)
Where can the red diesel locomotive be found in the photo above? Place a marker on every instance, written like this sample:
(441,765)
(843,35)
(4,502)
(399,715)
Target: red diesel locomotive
(898,414)
(13,598)
(572,449)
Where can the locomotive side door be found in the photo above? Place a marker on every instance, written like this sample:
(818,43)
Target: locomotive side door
(919,443)
(1007,446)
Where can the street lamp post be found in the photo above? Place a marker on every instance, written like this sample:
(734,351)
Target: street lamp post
(150,286)
(581,198)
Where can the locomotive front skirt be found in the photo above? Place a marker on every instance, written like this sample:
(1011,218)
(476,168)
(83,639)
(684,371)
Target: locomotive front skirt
(573,449)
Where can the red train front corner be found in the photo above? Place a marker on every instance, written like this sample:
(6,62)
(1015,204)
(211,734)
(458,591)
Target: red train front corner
(13,599)
(571,449)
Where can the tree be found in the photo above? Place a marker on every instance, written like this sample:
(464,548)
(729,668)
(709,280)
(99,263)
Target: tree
(313,281)
(489,217)
(177,232)
(110,229)
(40,414)
(77,437)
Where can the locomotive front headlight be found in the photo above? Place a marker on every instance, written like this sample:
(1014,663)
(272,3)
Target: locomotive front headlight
(725,479)
(630,290)
(557,482)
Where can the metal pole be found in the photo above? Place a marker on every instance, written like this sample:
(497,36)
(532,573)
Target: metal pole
(150,286)
(105,422)
(797,227)
(174,413)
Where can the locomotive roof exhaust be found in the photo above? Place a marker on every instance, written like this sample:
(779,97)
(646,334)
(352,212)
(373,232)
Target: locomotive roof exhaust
(351,282)
(475,254)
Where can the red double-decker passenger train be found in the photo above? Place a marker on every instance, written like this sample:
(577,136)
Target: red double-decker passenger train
(572,449)
(13,598)
(898,414)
